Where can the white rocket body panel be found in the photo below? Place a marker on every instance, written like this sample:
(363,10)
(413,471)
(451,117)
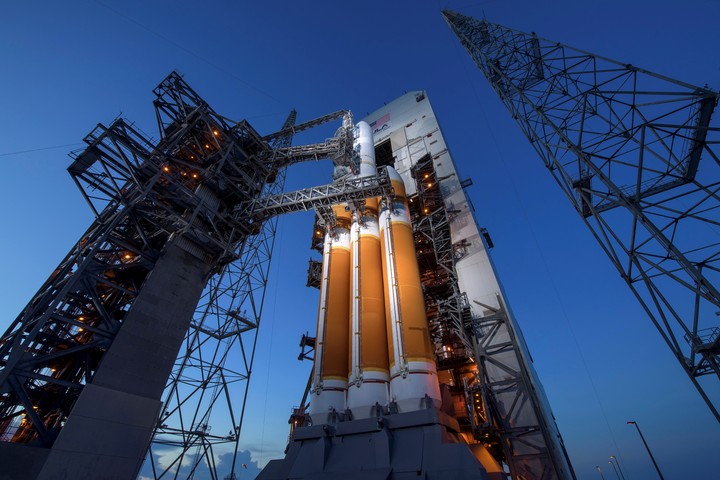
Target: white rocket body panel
(365,148)
(327,398)
(395,340)
(356,306)
(369,375)
(416,388)
(365,393)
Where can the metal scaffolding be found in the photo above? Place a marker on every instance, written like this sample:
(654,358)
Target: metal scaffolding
(53,347)
(200,202)
(447,309)
(490,377)
(625,145)
(204,404)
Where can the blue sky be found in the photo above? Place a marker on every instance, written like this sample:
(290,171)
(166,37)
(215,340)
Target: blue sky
(70,65)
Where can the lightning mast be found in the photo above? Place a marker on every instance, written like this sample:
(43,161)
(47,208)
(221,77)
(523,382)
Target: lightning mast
(635,154)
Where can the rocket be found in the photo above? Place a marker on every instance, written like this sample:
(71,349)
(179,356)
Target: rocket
(389,358)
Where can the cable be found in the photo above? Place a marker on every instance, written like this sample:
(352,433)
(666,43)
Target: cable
(278,237)
(20,152)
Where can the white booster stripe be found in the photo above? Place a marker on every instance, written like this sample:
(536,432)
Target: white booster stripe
(324,285)
(393,295)
(355,332)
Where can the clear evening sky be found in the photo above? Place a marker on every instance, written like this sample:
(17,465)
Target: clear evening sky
(69,65)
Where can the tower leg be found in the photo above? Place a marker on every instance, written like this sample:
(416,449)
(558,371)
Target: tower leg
(119,410)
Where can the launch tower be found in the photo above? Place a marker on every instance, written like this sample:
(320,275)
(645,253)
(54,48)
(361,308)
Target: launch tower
(420,367)
(178,255)
(489,398)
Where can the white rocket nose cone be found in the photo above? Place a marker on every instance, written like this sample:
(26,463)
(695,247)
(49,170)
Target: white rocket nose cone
(394,175)
(397,182)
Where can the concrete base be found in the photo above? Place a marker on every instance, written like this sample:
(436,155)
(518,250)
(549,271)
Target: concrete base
(415,445)
(110,427)
(21,462)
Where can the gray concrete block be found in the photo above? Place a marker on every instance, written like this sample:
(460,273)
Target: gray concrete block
(78,465)
(119,407)
(21,462)
(108,432)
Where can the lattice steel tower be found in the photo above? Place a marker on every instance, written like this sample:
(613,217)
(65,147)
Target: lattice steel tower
(176,260)
(635,154)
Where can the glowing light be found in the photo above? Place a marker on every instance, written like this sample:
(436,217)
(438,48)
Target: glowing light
(215,132)
(426,175)
(167,169)
(81,318)
(128,256)
(207,146)
(80,329)
(429,185)
(194,175)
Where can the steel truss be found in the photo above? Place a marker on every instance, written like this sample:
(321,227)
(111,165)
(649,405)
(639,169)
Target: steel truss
(504,406)
(195,189)
(625,146)
(206,391)
(210,381)
(351,190)
(484,352)
(142,195)
(448,310)
(53,347)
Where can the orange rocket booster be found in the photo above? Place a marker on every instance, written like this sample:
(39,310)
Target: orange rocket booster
(330,371)
(413,373)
